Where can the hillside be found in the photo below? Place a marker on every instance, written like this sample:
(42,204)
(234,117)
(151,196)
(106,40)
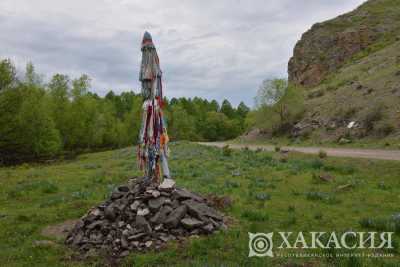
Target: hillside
(349,69)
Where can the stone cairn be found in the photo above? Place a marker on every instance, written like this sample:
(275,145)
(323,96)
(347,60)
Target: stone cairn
(140,216)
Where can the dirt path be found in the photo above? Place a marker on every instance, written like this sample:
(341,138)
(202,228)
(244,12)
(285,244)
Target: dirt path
(336,152)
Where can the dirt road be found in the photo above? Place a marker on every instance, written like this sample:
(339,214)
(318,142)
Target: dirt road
(335,152)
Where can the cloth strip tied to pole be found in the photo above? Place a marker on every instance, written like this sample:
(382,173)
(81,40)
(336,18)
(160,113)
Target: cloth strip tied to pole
(153,136)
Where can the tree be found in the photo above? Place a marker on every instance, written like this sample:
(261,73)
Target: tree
(182,125)
(80,86)
(220,127)
(242,110)
(227,109)
(280,117)
(270,91)
(59,91)
(39,135)
(59,87)
(7,74)
(31,77)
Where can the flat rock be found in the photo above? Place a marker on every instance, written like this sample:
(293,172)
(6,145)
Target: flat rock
(155,203)
(181,193)
(136,236)
(199,210)
(143,224)
(167,184)
(175,216)
(161,215)
(191,223)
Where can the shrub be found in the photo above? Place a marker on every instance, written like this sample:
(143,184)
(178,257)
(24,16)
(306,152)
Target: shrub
(291,208)
(277,148)
(372,116)
(322,154)
(316,164)
(226,151)
(384,129)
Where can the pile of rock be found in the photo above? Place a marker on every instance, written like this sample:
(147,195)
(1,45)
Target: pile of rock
(139,216)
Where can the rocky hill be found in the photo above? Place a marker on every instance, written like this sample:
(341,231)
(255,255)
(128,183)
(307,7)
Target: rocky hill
(328,45)
(349,69)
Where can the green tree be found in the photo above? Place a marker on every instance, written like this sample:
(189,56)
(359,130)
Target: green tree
(270,91)
(227,109)
(80,86)
(7,74)
(39,137)
(281,116)
(182,125)
(59,91)
(31,77)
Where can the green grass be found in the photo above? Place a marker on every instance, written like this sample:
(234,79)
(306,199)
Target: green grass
(268,195)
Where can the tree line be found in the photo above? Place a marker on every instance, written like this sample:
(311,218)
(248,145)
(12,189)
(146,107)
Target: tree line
(44,119)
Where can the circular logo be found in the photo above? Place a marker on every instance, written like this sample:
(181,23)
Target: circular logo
(260,244)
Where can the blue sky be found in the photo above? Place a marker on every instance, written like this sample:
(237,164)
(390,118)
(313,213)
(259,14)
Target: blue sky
(211,48)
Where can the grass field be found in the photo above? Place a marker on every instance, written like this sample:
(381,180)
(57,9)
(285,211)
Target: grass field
(270,192)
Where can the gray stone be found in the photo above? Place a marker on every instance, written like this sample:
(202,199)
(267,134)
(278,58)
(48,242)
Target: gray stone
(135,205)
(135,243)
(158,227)
(123,188)
(142,224)
(148,243)
(78,238)
(136,236)
(163,238)
(208,228)
(201,209)
(124,253)
(155,193)
(179,193)
(143,212)
(124,242)
(109,213)
(167,184)
(94,225)
(175,216)
(155,203)
(125,232)
(191,223)
(161,215)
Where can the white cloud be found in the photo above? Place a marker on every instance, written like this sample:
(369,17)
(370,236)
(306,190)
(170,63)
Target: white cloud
(214,49)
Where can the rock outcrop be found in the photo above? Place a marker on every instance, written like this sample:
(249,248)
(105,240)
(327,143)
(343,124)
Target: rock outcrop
(139,217)
(328,45)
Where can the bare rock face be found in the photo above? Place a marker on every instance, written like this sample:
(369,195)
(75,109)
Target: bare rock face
(140,217)
(328,45)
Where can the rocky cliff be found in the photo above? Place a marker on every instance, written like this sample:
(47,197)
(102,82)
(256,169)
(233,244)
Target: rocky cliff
(348,69)
(329,45)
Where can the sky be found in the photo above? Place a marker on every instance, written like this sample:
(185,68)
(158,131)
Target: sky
(215,49)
